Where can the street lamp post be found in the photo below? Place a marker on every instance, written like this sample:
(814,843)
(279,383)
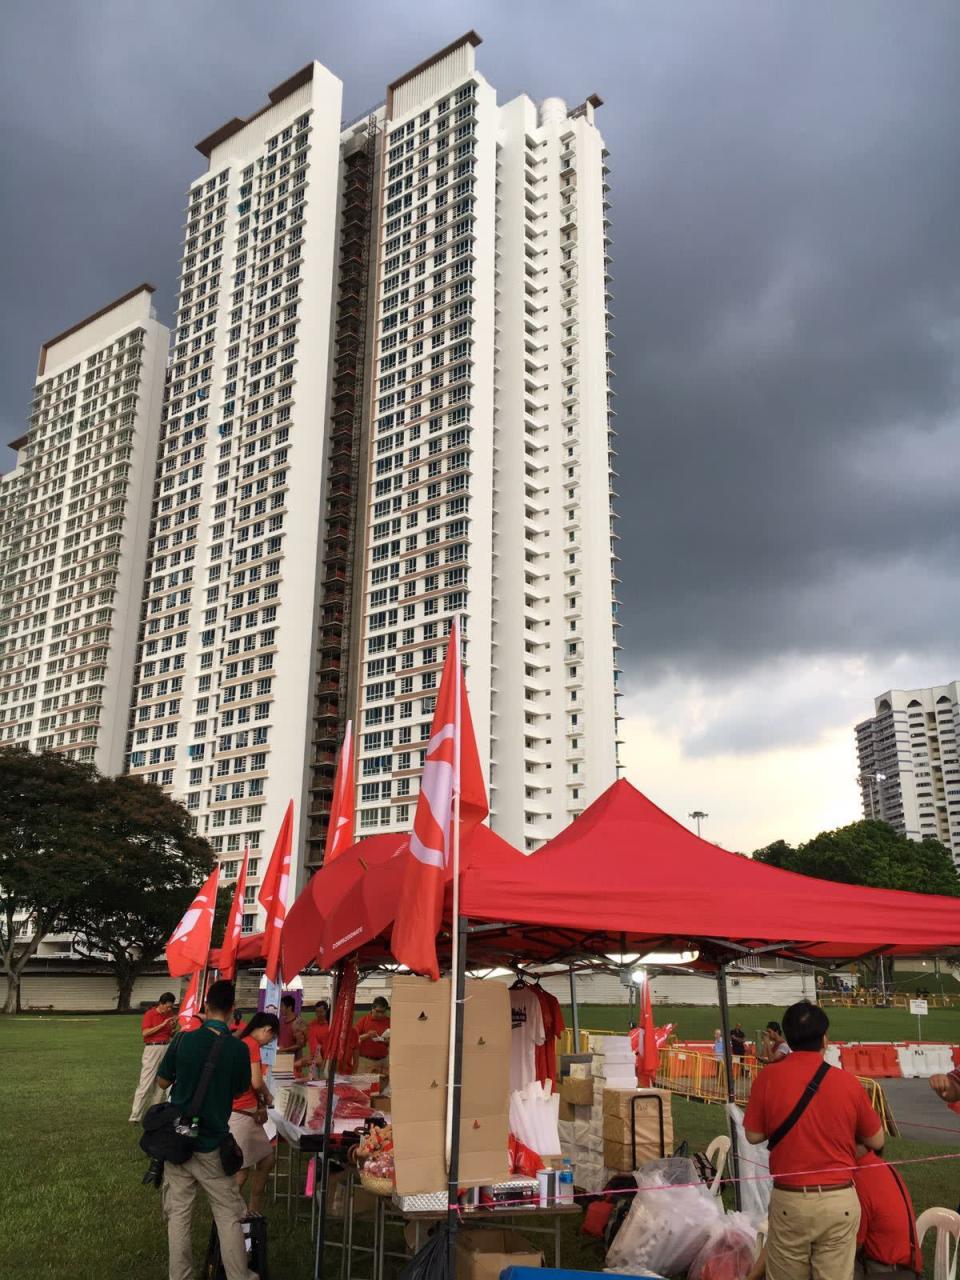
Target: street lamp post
(698,815)
(874,779)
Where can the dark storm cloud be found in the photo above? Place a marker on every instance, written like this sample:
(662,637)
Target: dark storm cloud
(785,188)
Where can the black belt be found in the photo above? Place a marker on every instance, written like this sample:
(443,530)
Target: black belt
(833,1186)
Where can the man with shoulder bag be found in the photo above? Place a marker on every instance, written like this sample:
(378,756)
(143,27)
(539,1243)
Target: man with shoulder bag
(205,1070)
(812,1116)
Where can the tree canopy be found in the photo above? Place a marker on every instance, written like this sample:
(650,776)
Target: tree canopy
(112,860)
(869,853)
(151,866)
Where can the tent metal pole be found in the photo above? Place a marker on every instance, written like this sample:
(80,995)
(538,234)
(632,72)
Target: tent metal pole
(324,1170)
(728,1070)
(458,981)
(574,1011)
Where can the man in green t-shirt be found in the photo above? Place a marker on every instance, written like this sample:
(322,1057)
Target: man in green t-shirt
(181,1069)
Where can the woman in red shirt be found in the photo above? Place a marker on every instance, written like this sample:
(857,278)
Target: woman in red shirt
(373,1030)
(249,1112)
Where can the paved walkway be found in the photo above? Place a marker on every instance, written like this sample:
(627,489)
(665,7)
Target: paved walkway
(921,1115)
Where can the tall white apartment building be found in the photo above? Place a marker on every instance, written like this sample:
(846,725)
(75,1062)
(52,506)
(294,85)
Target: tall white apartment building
(387,404)
(223,702)
(489,479)
(73,535)
(909,763)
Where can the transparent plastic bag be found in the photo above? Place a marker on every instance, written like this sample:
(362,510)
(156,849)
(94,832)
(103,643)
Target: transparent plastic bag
(729,1251)
(667,1225)
(754,1161)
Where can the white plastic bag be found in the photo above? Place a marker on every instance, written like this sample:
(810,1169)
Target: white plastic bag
(666,1227)
(755,1185)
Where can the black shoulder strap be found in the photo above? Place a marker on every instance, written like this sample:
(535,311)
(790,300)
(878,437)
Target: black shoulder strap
(805,1099)
(206,1075)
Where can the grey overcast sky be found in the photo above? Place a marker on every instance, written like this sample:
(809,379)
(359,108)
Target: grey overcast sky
(786,188)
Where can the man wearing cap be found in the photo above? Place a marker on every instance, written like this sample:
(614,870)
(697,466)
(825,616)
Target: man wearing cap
(812,1117)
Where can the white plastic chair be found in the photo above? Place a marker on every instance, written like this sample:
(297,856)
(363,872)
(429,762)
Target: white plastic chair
(947,1224)
(717,1153)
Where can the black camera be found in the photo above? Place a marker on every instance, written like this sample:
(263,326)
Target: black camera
(154,1175)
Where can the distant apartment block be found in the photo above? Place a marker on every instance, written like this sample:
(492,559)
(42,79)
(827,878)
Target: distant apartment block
(909,763)
(73,535)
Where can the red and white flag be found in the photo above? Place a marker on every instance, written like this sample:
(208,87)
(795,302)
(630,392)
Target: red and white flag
(648,1057)
(188,1006)
(189,943)
(273,895)
(340,828)
(231,935)
(452,767)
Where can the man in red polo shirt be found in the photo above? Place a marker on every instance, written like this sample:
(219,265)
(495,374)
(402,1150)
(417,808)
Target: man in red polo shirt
(812,1117)
(157,1027)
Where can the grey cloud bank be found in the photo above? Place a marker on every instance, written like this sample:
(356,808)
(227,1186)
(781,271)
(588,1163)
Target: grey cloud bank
(786,183)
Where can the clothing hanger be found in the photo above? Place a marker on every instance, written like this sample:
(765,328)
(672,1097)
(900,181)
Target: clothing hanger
(519,984)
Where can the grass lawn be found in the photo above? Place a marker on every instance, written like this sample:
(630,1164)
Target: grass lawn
(698,1022)
(71,1203)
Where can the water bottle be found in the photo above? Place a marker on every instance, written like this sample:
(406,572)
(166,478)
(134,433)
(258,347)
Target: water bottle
(565,1195)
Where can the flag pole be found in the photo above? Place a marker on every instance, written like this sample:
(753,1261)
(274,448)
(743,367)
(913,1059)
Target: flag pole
(457,990)
(455,915)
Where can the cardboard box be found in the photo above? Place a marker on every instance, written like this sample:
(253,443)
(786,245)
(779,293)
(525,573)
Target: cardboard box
(420,1012)
(576,1092)
(617,1111)
(482,1255)
(567,1109)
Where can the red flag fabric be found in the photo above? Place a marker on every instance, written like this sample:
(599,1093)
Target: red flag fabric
(189,1010)
(340,828)
(273,895)
(452,766)
(648,1059)
(231,934)
(339,1037)
(189,943)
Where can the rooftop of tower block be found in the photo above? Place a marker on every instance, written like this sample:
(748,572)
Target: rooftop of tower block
(283,90)
(469,37)
(75,328)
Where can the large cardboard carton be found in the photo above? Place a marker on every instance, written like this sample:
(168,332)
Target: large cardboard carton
(482,1255)
(419,1047)
(618,1108)
(576,1092)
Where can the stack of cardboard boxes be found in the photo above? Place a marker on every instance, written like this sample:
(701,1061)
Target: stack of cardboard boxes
(599,1120)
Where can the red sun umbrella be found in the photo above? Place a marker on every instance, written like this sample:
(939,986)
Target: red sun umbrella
(353,900)
(343,904)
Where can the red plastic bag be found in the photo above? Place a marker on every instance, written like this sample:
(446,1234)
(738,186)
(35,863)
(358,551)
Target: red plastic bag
(523,1160)
(728,1253)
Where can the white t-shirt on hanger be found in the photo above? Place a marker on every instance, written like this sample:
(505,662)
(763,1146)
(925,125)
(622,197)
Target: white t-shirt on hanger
(526,1018)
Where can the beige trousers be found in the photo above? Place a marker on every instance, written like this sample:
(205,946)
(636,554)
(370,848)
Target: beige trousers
(180,1182)
(147,1092)
(813,1234)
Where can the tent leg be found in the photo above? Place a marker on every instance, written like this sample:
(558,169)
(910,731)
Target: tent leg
(728,1069)
(453,1178)
(324,1170)
(574,1012)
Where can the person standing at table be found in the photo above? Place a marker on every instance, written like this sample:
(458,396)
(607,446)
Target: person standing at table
(156,1027)
(318,1031)
(812,1117)
(373,1032)
(293,1033)
(249,1113)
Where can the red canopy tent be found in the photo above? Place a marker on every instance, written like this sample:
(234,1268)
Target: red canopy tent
(626,877)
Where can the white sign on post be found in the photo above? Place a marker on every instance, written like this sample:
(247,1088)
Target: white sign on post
(918,1008)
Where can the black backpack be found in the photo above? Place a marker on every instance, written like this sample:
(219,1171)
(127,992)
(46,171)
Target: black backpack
(168,1133)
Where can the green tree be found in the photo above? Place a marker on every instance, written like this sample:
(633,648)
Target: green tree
(49,851)
(151,866)
(869,853)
